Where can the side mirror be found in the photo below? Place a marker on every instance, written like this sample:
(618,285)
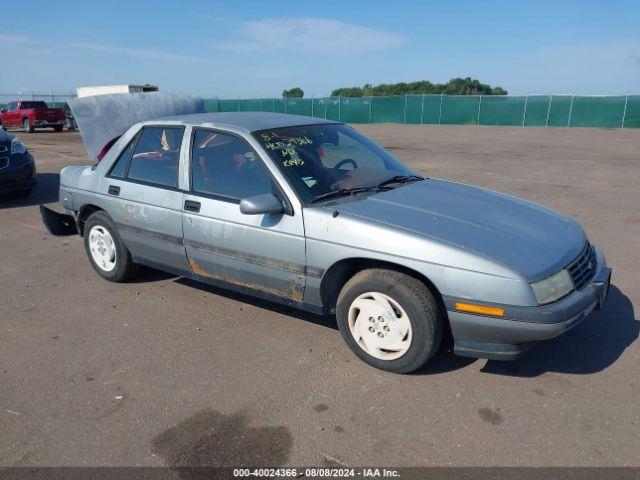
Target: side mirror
(4,110)
(261,204)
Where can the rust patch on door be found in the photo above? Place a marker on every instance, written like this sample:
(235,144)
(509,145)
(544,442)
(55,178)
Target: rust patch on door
(296,288)
(198,270)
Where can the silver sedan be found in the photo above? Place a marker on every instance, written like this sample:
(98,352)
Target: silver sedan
(312,214)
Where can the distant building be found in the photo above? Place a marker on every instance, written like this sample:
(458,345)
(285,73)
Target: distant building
(106,89)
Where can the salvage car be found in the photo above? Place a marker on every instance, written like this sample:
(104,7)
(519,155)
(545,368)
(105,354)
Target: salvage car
(310,213)
(17,167)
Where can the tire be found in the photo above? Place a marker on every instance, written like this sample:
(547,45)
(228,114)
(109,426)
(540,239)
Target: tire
(403,302)
(58,128)
(26,125)
(110,259)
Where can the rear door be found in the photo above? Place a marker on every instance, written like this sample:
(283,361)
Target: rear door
(264,254)
(144,199)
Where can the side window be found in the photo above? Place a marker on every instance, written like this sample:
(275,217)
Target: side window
(119,168)
(156,155)
(226,165)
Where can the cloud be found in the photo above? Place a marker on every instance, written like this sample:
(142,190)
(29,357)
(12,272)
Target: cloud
(11,39)
(317,35)
(138,53)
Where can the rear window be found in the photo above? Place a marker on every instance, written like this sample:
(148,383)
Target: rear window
(35,105)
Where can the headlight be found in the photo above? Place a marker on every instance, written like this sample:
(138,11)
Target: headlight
(17,147)
(552,288)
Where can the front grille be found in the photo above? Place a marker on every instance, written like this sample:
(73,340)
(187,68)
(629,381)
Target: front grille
(4,162)
(583,268)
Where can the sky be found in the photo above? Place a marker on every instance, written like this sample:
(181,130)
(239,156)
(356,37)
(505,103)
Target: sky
(252,48)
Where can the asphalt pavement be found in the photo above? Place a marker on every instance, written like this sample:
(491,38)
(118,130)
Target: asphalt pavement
(164,371)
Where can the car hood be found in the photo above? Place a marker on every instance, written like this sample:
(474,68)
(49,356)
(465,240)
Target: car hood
(527,238)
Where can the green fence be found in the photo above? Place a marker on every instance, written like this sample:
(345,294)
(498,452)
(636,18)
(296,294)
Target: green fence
(527,110)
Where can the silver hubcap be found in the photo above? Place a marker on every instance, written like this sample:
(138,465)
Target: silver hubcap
(102,247)
(380,326)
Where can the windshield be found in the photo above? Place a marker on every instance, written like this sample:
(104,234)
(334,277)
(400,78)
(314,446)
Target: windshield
(321,159)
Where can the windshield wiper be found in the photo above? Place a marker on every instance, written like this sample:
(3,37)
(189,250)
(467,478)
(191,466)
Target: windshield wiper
(400,179)
(375,188)
(340,193)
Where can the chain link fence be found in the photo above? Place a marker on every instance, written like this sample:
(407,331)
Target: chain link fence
(622,111)
(54,100)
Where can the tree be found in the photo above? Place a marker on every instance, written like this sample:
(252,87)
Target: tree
(296,92)
(455,86)
(347,92)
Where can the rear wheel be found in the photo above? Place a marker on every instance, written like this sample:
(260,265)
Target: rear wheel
(108,255)
(390,320)
(26,125)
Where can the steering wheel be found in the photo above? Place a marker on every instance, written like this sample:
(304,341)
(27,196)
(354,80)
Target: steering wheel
(344,162)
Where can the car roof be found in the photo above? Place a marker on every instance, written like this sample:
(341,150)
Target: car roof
(249,121)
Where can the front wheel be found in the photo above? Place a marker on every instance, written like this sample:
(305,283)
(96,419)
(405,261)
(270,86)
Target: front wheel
(390,320)
(108,255)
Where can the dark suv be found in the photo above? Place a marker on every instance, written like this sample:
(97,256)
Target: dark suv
(17,168)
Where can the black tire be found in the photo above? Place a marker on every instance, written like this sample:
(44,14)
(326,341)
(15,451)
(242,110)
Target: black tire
(124,266)
(21,193)
(26,125)
(58,128)
(425,316)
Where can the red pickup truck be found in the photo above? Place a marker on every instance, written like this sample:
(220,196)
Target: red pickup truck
(31,114)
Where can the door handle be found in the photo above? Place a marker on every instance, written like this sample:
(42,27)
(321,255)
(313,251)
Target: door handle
(191,206)
(114,190)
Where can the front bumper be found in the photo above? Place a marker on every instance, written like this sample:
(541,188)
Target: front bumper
(19,174)
(522,327)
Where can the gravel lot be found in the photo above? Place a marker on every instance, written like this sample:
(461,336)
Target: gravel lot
(167,372)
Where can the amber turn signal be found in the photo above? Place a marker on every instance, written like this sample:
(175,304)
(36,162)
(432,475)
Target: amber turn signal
(468,307)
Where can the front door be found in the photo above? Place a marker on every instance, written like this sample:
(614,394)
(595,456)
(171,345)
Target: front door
(264,254)
(144,199)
